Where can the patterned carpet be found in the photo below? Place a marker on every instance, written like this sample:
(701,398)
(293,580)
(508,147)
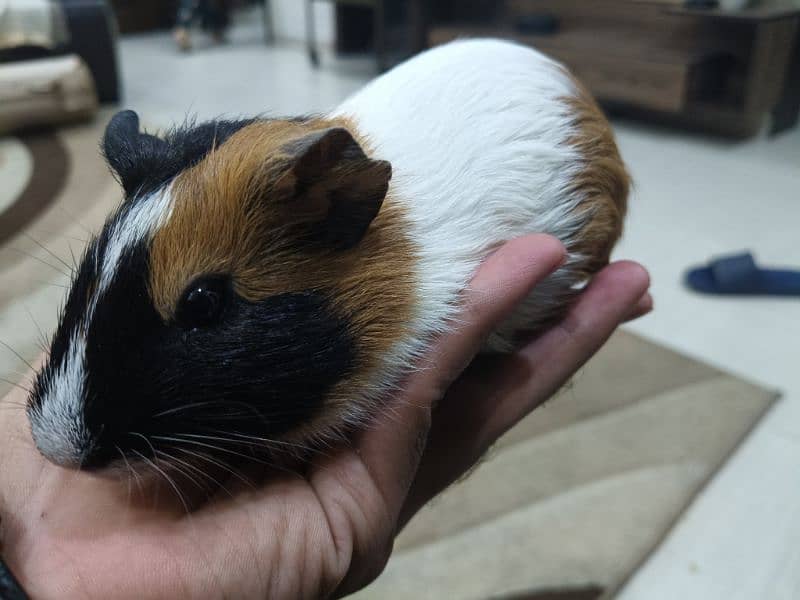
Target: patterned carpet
(566,506)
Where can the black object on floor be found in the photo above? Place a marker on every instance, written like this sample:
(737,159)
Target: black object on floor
(537,24)
(739,275)
(702,4)
(9,586)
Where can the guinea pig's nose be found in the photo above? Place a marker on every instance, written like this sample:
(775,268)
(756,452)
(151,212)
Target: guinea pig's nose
(95,458)
(57,448)
(62,460)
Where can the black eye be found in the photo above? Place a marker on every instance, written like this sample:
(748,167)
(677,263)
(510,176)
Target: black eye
(203,302)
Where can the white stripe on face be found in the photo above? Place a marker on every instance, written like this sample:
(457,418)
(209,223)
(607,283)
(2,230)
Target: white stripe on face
(139,224)
(58,425)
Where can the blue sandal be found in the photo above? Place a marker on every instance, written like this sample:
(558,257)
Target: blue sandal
(739,275)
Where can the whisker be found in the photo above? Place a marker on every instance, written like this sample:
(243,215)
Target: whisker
(226,450)
(147,441)
(6,400)
(133,471)
(250,409)
(221,465)
(170,411)
(252,444)
(128,465)
(41,260)
(166,477)
(18,372)
(18,355)
(196,469)
(225,468)
(64,235)
(170,459)
(42,337)
(256,440)
(205,445)
(22,387)
(74,219)
(50,252)
(51,283)
(72,254)
(6,404)
(10,403)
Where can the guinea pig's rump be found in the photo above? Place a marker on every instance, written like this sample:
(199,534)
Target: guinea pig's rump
(599,178)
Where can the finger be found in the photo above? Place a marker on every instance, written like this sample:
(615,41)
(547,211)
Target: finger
(391,448)
(562,350)
(387,454)
(643,307)
(496,392)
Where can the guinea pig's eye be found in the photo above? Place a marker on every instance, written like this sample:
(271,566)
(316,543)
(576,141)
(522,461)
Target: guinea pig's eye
(203,302)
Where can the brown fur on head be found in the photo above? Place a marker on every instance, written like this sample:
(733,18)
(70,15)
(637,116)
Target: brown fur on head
(288,206)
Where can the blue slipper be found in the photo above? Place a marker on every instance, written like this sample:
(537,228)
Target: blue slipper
(739,275)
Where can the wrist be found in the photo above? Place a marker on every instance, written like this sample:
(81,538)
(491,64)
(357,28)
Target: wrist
(10,589)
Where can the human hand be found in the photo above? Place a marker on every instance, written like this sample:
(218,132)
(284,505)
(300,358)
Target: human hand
(328,531)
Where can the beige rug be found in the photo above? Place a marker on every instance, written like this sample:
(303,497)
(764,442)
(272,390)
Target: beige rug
(566,506)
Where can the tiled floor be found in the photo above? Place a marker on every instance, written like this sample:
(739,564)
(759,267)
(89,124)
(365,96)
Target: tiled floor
(695,197)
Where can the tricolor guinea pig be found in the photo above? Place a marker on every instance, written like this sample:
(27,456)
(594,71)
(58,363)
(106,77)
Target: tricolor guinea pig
(269,281)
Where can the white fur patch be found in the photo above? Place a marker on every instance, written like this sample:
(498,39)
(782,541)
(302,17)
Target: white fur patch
(57,425)
(140,223)
(478,136)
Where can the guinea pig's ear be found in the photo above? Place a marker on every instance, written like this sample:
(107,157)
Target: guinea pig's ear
(332,184)
(127,150)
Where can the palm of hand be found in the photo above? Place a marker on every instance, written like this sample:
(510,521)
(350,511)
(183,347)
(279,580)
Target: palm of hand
(330,530)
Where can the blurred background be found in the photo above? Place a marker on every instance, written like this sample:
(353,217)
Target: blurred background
(671,467)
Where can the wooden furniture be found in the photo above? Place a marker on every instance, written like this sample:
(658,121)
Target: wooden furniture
(134,16)
(395,29)
(266,18)
(716,70)
(379,29)
(146,15)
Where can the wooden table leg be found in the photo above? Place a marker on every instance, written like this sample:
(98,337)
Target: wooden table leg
(269,30)
(419,26)
(380,35)
(786,112)
(311,34)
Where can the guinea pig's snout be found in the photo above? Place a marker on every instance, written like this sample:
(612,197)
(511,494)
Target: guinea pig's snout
(95,458)
(65,442)
(85,456)
(67,461)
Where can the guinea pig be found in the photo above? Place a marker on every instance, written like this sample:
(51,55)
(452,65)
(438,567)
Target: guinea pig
(270,281)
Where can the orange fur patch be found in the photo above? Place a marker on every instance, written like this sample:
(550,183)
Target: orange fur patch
(603,181)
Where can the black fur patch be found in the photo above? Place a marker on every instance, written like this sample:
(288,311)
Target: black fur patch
(265,368)
(262,370)
(144,162)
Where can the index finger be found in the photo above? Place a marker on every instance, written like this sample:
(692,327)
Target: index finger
(391,449)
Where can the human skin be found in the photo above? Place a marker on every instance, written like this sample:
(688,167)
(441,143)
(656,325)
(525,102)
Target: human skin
(327,530)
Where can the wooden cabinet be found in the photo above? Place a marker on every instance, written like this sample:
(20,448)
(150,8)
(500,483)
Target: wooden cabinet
(144,15)
(722,71)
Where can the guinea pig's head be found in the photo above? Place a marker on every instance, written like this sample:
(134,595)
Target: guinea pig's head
(248,278)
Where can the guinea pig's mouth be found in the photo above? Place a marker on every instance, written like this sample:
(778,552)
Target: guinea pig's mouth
(90,458)
(72,447)
(95,459)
